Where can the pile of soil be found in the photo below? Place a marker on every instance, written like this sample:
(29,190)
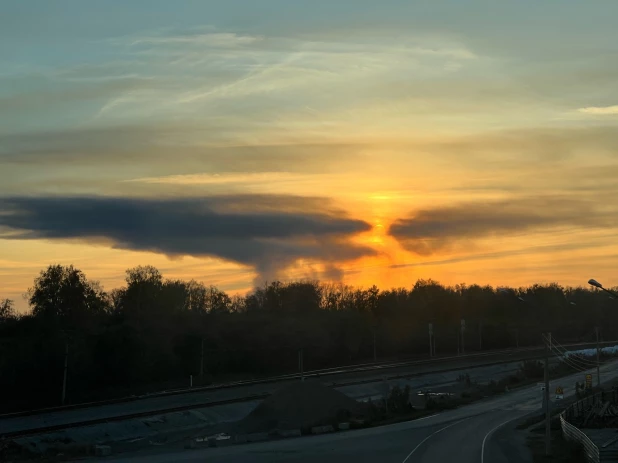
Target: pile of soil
(299,406)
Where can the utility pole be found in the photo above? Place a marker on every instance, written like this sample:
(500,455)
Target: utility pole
(517,337)
(546,398)
(375,356)
(481,335)
(596,328)
(463,344)
(66,368)
(300,364)
(202,360)
(430,340)
(458,350)
(434,344)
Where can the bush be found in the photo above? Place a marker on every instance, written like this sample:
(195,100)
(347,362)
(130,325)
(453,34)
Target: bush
(532,369)
(464,379)
(398,400)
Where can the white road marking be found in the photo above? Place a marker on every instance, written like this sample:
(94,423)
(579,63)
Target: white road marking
(430,436)
(426,417)
(489,434)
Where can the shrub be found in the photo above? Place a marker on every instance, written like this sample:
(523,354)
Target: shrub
(398,400)
(464,379)
(531,369)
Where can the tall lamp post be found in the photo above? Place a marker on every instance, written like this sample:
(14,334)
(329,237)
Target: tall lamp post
(521,299)
(596,284)
(612,295)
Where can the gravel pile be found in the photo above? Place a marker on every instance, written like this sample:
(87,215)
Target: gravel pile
(300,405)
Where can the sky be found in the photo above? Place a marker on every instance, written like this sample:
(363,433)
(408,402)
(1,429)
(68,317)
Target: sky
(353,141)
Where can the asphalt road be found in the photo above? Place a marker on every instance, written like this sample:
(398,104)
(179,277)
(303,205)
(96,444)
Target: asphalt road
(463,435)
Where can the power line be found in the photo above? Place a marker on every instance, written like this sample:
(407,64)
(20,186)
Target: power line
(573,362)
(576,356)
(573,358)
(577,364)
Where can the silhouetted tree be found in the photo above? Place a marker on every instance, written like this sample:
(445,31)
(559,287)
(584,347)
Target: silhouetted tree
(7,310)
(151,333)
(64,295)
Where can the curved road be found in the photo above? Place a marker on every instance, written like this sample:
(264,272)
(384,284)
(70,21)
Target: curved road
(463,435)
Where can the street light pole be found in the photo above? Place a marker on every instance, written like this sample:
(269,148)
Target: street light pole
(463,344)
(512,294)
(301,366)
(430,340)
(202,360)
(481,335)
(375,356)
(546,397)
(596,284)
(596,328)
(66,368)
(458,350)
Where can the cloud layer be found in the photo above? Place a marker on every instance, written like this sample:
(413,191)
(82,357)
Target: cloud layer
(429,231)
(600,110)
(268,233)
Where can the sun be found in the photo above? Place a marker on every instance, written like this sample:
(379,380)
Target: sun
(377,233)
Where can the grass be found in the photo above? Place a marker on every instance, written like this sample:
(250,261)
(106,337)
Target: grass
(562,451)
(536,419)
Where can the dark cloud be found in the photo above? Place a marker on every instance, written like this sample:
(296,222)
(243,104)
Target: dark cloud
(243,229)
(430,230)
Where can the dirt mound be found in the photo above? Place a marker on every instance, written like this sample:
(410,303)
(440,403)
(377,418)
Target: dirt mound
(300,405)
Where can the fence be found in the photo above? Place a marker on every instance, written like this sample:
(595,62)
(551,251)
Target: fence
(574,434)
(579,410)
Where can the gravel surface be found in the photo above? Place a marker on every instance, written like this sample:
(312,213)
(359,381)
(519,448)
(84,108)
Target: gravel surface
(300,405)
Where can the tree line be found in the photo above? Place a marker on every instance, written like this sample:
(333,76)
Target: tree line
(155,332)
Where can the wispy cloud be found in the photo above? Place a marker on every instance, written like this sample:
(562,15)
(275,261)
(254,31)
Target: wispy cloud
(600,110)
(256,65)
(222,179)
(214,39)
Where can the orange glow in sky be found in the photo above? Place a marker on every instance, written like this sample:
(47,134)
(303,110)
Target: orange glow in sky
(388,143)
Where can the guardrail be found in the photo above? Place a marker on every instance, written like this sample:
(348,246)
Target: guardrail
(592,452)
(575,434)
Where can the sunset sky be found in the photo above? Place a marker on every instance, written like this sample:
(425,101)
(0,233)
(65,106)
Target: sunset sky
(240,141)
